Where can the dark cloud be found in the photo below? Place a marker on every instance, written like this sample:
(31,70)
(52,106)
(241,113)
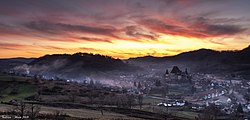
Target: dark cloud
(198,28)
(134,31)
(90,49)
(95,39)
(43,13)
(49,47)
(57,28)
(7,29)
(223,29)
(166,28)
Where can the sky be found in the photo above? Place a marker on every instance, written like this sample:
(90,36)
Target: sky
(121,28)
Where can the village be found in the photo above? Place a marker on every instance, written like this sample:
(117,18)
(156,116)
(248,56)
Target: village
(175,91)
(197,90)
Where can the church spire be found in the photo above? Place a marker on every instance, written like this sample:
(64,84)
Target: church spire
(167,72)
(186,71)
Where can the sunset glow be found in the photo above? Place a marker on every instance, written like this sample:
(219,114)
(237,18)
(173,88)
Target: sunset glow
(121,28)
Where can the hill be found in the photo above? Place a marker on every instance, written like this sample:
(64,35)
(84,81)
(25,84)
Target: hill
(201,55)
(202,60)
(9,63)
(85,60)
(77,66)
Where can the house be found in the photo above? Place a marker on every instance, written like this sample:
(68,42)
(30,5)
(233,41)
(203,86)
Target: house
(175,103)
(209,94)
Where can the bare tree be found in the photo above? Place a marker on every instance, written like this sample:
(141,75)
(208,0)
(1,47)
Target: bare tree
(140,100)
(130,101)
(34,111)
(72,97)
(21,109)
(101,103)
(59,116)
(91,97)
(139,85)
(239,112)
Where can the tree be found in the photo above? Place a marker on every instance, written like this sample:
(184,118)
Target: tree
(139,85)
(135,84)
(59,116)
(130,101)
(140,100)
(193,89)
(91,83)
(158,83)
(21,109)
(247,96)
(101,103)
(34,111)
(72,97)
(211,111)
(204,117)
(239,111)
(13,78)
(164,93)
(91,95)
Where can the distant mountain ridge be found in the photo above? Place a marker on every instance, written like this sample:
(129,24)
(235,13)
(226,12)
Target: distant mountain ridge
(8,63)
(18,59)
(201,54)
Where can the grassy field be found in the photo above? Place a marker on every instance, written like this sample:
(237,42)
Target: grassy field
(23,91)
(86,113)
(15,88)
(11,78)
(151,100)
(175,111)
(78,113)
(185,114)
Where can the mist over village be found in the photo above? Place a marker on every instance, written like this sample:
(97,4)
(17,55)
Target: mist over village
(124,60)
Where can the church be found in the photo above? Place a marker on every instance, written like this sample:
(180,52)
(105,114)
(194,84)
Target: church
(177,76)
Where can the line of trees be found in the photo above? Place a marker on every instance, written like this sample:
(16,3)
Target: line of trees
(22,109)
(212,111)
